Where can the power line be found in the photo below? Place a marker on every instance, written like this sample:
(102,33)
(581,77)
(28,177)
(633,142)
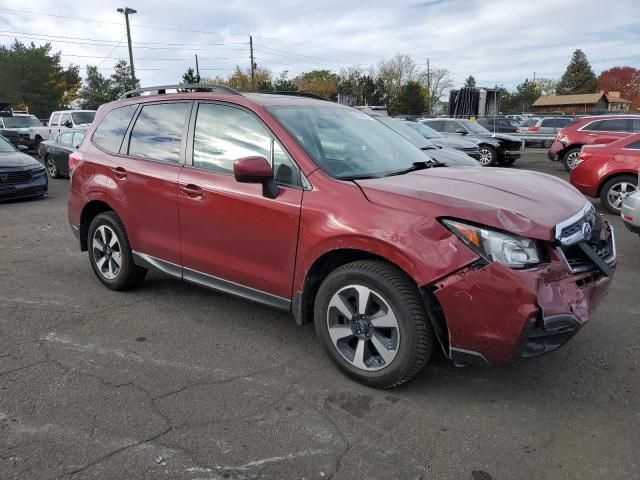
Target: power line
(150,59)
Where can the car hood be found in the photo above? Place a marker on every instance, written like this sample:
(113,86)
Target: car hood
(500,136)
(17,159)
(525,203)
(452,157)
(453,142)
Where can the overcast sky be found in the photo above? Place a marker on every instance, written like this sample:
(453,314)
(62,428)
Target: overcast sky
(497,41)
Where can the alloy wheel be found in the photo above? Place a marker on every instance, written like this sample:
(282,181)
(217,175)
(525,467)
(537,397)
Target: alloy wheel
(486,157)
(107,252)
(363,327)
(51,167)
(572,160)
(618,192)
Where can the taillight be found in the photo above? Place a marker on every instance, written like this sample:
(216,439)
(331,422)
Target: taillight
(627,218)
(582,157)
(74,160)
(534,129)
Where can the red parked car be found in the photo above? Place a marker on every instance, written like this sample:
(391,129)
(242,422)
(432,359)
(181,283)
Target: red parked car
(608,172)
(590,131)
(318,209)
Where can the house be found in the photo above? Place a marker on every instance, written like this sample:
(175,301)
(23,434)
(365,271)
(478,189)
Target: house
(583,103)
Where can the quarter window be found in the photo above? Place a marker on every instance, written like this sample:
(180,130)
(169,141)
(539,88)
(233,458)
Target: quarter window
(635,126)
(223,134)
(111,131)
(157,133)
(285,172)
(78,138)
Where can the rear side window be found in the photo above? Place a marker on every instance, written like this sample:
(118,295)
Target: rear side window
(615,125)
(548,122)
(66,138)
(110,133)
(157,133)
(634,146)
(223,134)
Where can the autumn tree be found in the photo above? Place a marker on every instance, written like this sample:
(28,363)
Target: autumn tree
(319,82)
(625,80)
(578,77)
(547,86)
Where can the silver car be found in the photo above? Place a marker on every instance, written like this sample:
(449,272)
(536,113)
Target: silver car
(544,126)
(631,212)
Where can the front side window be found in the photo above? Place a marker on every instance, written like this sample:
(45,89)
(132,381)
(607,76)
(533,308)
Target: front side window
(157,133)
(473,127)
(65,120)
(111,131)
(223,134)
(453,127)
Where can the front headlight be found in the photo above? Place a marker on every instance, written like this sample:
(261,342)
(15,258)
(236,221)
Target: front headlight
(492,245)
(36,172)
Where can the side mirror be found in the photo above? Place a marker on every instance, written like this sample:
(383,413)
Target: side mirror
(67,124)
(23,148)
(461,131)
(256,170)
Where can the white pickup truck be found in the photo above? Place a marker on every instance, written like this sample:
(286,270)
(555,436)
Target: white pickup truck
(79,119)
(24,124)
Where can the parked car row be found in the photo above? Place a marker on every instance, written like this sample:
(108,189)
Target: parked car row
(390,255)
(21,176)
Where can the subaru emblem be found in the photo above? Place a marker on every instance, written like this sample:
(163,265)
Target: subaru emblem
(586,231)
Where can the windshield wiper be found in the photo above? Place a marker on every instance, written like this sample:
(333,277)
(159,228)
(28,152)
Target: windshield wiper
(415,166)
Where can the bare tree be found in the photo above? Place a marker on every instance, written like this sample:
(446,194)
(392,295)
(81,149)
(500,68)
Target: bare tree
(436,81)
(397,71)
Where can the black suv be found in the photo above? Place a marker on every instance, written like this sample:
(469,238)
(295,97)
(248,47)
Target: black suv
(495,148)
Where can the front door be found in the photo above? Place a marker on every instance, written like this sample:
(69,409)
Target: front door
(234,238)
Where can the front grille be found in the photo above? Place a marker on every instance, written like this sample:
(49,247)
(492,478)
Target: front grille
(599,238)
(14,178)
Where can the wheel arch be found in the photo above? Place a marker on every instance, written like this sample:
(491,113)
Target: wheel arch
(609,176)
(90,211)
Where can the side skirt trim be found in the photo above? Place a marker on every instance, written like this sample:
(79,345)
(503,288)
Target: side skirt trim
(212,282)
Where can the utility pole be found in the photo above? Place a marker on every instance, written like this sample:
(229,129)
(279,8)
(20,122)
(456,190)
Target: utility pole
(129,11)
(197,70)
(253,65)
(429,85)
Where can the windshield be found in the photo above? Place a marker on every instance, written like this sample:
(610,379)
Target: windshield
(346,143)
(22,122)
(83,117)
(474,127)
(406,131)
(5,146)
(422,129)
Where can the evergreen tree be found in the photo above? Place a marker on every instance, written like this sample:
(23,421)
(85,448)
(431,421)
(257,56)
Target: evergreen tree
(96,90)
(470,82)
(190,76)
(578,77)
(411,99)
(121,80)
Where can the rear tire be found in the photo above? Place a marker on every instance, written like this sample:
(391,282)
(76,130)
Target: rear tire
(615,190)
(373,323)
(52,168)
(110,253)
(569,159)
(488,156)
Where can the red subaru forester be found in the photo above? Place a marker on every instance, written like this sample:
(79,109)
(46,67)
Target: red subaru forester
(318,209)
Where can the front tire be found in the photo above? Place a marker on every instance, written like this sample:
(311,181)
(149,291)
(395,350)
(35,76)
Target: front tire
(488,156)
(615,190)
(373,323)
(570,159)
(110,253)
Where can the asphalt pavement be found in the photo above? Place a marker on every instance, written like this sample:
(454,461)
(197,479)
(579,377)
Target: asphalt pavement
(172,381)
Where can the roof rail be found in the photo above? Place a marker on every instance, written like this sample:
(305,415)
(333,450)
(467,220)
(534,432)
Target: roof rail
(160,90)
(300,94)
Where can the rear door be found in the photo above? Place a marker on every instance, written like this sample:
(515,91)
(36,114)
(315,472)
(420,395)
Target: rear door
(234,238)
(143,180)
(62,149)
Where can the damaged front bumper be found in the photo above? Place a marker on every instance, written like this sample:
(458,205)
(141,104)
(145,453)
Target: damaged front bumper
(495,314)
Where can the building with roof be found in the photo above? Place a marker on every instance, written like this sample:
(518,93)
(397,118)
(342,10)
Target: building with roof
(583,103)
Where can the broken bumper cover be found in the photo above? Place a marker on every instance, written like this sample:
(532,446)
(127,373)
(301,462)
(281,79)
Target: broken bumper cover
(495,314)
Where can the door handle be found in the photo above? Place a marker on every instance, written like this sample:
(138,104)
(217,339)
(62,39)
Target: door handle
(119,172)
(191,190)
